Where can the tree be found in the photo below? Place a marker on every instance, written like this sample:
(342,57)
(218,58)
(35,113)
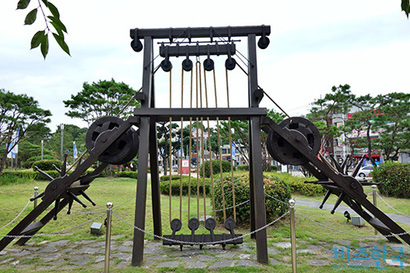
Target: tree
(393,124)
(104,98)
(53,24)
(322,113)
(71,133)
(240,134)
(405,6)
(363,122)
(165,136)
(17,113)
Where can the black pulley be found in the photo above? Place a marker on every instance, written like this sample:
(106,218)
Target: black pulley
(263,42)
(187,64)
(166,65)
(208,64)
(136,45)
(193,224)
(230,63)
(300,129)
(122,150)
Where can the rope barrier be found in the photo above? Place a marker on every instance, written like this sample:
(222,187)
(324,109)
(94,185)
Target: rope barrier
(201,243)
(17,215)
(52,233)
(389,205)
(348,233)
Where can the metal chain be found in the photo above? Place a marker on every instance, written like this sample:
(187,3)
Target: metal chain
(201,243)
(17,215)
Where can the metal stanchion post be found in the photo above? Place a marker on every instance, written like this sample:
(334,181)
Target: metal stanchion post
(292,233)
(34,196)
(108,237)
(374,191)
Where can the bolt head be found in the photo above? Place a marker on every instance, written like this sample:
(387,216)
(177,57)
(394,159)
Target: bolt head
(36,188)
(109,205)
(292,202)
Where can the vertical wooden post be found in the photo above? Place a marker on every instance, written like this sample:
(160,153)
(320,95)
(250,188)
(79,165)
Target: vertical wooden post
(256,176)
(141,195)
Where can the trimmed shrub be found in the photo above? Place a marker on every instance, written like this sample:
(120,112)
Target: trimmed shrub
(298,185)
(242,168)
(175,184)
(226,167)
(29,162)
(47,165)
(274,187)
(166,177)
(129,174)
(29,175)
(395,178)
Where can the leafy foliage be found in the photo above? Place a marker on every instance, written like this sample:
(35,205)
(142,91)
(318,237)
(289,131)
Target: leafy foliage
(395,179)
(298,185)
(29,162)
(186,181)
(53,24)
(129,174)
(216,167)
(323,110)
(47,164)
(274,187)
(104,98)
(405,6)
(17,112)
(393,124)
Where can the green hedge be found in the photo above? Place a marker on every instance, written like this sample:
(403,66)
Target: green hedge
(47,164)
(274,187)
(298,185)
(175,184)
(216,168)
(129,174)
(29,175)
(395,178)
(166,177)
(29,162)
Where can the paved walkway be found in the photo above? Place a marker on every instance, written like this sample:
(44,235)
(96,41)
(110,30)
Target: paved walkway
(89,254)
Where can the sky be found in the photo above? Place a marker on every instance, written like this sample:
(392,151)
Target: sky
(314,45)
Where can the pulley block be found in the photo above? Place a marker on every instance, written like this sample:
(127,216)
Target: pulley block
(122,150)
(303,131)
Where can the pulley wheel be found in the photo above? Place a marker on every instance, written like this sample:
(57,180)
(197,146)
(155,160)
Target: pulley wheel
(187,64)
(230,63)
(208,64)
(166,65)
(300,129)
(122,150)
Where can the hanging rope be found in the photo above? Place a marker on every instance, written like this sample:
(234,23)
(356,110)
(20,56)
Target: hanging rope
(219,149)
(181,145)
(209,147)
(190,146)
(170,147)
(197,64)
(230,145)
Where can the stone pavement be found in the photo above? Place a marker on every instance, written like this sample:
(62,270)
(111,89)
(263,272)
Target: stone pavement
(89,254)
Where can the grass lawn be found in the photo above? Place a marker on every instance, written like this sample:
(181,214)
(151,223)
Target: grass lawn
(121,193)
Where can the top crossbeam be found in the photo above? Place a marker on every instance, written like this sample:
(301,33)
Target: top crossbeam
(203,32)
